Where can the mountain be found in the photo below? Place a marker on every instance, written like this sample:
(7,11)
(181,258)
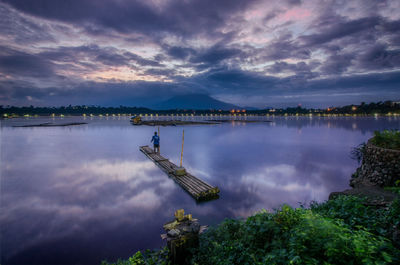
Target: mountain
(194,101)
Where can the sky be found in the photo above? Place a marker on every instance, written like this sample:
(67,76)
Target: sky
(249,53)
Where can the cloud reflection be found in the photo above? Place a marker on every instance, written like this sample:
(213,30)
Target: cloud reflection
(86,194)
(75,196)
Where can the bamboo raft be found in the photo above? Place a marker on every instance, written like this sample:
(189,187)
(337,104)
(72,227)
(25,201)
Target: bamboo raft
(198,189)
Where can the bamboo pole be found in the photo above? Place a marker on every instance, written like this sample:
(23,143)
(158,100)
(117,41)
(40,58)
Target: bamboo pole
(183,140)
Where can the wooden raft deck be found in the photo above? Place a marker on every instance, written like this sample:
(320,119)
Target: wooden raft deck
(197,188)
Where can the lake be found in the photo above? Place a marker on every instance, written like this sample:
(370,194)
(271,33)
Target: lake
(82,194)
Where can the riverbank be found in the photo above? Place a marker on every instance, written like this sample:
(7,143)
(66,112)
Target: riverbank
(343,230)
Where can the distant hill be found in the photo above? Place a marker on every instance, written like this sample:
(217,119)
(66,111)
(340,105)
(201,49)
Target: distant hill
(194,101)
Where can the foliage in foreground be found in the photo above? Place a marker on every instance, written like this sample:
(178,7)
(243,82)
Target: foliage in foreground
(387,139)
(393,189)
(149,257)
(379,221)
(339,231)
(302,236)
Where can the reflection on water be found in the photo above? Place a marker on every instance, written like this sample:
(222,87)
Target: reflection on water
(82,194)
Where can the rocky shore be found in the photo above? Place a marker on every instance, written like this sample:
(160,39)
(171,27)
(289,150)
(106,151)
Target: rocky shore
(380,168)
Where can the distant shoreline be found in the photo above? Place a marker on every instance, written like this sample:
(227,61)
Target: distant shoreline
(390,108)
(228,117)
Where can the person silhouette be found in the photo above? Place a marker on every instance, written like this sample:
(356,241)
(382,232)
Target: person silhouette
(156,141)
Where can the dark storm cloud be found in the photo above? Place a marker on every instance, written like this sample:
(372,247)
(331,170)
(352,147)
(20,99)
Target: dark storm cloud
(205,58)
(107,56)
(181,17)
(55,51)
(234,82)
(337,63)
(22,30)
(23,64)
(339,29)
(214,57)
(237,82)
(379,56)
(391,26)
(283,47)
(138,93)
(181,53)
(158,71)
(379,82)
(284,67)
(238,78)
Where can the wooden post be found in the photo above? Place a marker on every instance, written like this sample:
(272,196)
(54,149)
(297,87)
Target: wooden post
(183,140)
(182,234)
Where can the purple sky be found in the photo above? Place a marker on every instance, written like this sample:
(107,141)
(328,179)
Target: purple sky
(249,53)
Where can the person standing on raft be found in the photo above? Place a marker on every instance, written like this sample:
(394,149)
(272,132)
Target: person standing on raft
(156,141)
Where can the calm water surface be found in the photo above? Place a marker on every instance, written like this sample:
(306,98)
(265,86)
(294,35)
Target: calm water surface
(82,194)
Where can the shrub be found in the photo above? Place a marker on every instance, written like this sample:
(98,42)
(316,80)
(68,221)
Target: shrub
(339,231)
(352,211)
(149,257)
(292,236)
(387,139)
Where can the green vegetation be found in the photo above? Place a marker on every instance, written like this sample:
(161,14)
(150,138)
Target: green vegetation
(387,139)
(352,211)
(149,257)
(395,189)
(343,231)
(339,231)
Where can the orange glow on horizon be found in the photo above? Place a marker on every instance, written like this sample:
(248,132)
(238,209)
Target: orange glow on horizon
(122,74)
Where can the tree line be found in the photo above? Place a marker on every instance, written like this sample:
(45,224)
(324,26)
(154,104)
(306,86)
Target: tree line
(380,107)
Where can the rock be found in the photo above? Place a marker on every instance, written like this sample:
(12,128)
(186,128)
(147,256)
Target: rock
(173,233)
(195,227)
(380,167)
(375,196)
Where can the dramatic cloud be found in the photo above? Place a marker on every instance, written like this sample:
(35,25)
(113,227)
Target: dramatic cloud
(250,53)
